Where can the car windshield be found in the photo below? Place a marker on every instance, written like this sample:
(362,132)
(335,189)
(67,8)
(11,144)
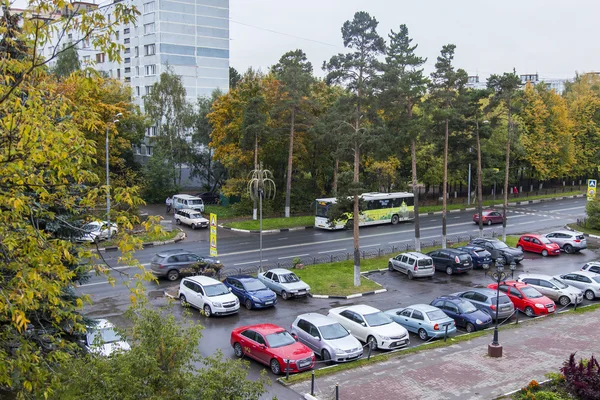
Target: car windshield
(530,292)
(106,335)
(280,339)
(558,283)
(436,315)
(499,245)
(194,202)
(196,216)
(545,240)
(289,278)
(91,228)
(425,262)
(157,258)
(467,307)
(254,285)
(503,299)
(333,331)
(596,278)
(216,290)
(377,319)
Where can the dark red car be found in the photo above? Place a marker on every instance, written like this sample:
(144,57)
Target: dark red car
(489,217)
(273,346)
(538,244)
(526,298)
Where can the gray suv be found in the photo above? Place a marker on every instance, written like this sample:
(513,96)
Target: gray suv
(173,263)
(413,264)
(553,288)
(485,300)
(568,241)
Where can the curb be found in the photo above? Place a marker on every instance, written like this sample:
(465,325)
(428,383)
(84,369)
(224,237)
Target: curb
(180,236)
(267,231)
(585,234)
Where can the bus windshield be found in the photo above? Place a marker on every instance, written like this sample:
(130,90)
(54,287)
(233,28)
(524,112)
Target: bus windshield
(322,209)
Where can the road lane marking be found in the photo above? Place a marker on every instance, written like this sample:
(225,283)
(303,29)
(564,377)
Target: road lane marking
(456,217)
(299,255)
(459,233)
(370,245)
(330,251)
(401,241)
(566,209)
(249,262)
(282,239)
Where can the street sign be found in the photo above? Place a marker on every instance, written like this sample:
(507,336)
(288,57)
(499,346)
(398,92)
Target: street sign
(213,235)
(591,190)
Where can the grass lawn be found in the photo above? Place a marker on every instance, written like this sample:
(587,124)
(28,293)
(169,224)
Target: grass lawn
(589,231)
(274,223)
(144,237)
(222,212)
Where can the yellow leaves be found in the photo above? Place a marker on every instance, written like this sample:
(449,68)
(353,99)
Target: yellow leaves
(19,320)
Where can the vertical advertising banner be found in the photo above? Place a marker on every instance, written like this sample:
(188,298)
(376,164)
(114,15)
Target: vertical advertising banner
(591,190)
(213,235)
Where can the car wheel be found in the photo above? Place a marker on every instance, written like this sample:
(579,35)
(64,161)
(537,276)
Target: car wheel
(589,295)
(489,222)
(410,275)
(568,248)
(544,253)
(349,224)
(390,267)
(275,367)
(422,334)
(173,275)
(395,219)
(207,311)
(372,342)
(248,304)
(519,247)
(470,327)
(183,301)
(564,301)
(284,295)
(194,226)
(529,312)
(177,221)
(237,350)
(326,356)
(449,270)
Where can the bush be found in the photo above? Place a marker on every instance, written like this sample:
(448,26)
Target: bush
(592,209)
(582,379)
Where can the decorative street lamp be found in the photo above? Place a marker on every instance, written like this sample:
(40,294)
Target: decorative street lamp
(115,120)
(498,276)
(261,185)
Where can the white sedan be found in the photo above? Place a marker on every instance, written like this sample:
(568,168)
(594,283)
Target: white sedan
(96,231)
(372,326)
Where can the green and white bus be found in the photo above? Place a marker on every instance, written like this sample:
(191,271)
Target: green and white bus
(381,208)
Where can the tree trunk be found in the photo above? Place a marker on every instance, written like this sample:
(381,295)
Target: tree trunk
(288,188)
(208,170)
(506,173)
(445,189)
(356,214)
(479,182)
(413,156)
(254,213)
(335,175)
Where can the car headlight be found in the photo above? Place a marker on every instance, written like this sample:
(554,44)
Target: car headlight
(339,351)
(478,321)
(294,291)
(255,298)
(538,305)
(217,304)
(385,337)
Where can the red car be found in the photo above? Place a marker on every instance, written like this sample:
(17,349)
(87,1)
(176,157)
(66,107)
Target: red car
(489,217)
(526,298)
(538,244)
(273,346)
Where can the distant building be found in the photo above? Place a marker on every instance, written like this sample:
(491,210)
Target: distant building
(473,82)
(558,85)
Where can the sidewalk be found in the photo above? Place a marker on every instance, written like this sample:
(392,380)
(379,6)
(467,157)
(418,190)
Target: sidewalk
(464,370)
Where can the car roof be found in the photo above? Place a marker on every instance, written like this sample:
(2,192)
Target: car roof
(243,278)
(473,247)
(280,271)
(186,196)
(584,273)
(485,291)
(202,280)
(486,239)
(264,329)
(450,297)
(415,254)
(317,319)
(535,276)
(514,283)
(359,308)
(567,232)
(190,210)
(170,252)
(592,263)
(423,307)
(535,235)
(101,323)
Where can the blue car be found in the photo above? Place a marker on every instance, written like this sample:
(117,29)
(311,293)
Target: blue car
(464,313)
(424,320)
(251,292)
(479,255)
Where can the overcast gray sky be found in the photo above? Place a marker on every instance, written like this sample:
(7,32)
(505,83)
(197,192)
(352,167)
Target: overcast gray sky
(554,38)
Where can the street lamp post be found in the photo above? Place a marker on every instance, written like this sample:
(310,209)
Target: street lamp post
(261,185)
(115,120)
(499,276)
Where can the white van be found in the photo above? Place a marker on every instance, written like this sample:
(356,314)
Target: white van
(183,201)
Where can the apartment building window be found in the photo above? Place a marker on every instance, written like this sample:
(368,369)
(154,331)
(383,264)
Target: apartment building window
(150,49)
(70,36)
(86,43)
(127,60)
(127,70)
(137,90)
(137,71)
(117,35)
(136,149)
(86,59)
(151,69)
(137,51)
(148,7)
(127,50)
(143,149)
(148,90)
(149,28)
(151,131)
(126,31)
(127,79)
(99,58)
(149,149)
(118,73)
(126,41)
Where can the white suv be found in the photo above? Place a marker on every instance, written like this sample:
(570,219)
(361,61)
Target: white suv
(556,289)
(209,295)
(413,264)
(192,218)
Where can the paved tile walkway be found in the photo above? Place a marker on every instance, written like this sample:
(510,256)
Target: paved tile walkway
(464,371)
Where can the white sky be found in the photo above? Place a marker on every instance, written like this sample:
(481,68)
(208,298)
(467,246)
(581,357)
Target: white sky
(554,38)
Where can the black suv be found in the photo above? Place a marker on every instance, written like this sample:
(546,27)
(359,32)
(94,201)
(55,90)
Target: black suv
(499,250)
(173,263)
(451,260)
(209,197)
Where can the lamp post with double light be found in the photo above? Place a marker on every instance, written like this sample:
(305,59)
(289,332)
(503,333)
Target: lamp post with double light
(115,120)
(498,275)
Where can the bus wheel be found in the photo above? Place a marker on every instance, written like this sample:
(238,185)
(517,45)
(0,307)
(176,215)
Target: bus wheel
(350,224)
(395,219)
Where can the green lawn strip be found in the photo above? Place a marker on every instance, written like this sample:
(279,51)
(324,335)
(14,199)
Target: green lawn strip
(222,212)
(589,231)
(145,238)
(432,345)
(274,223)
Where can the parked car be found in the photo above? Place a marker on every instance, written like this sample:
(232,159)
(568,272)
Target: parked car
(371,326)
(553,288)
(499,250)
(452,261)
(173,263)
(465,314)
(480,256)
(251,292)
(424,320)
(273,346)
(192,218)
(592,266)
(284,282)
(102,339)
(186,201)
(588,282)
(209,197)
(569,241)
(96,231)
(489,217)
(485,299)
(413,264)
(209,295)
(326,337)
(526,298)
(538,244)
